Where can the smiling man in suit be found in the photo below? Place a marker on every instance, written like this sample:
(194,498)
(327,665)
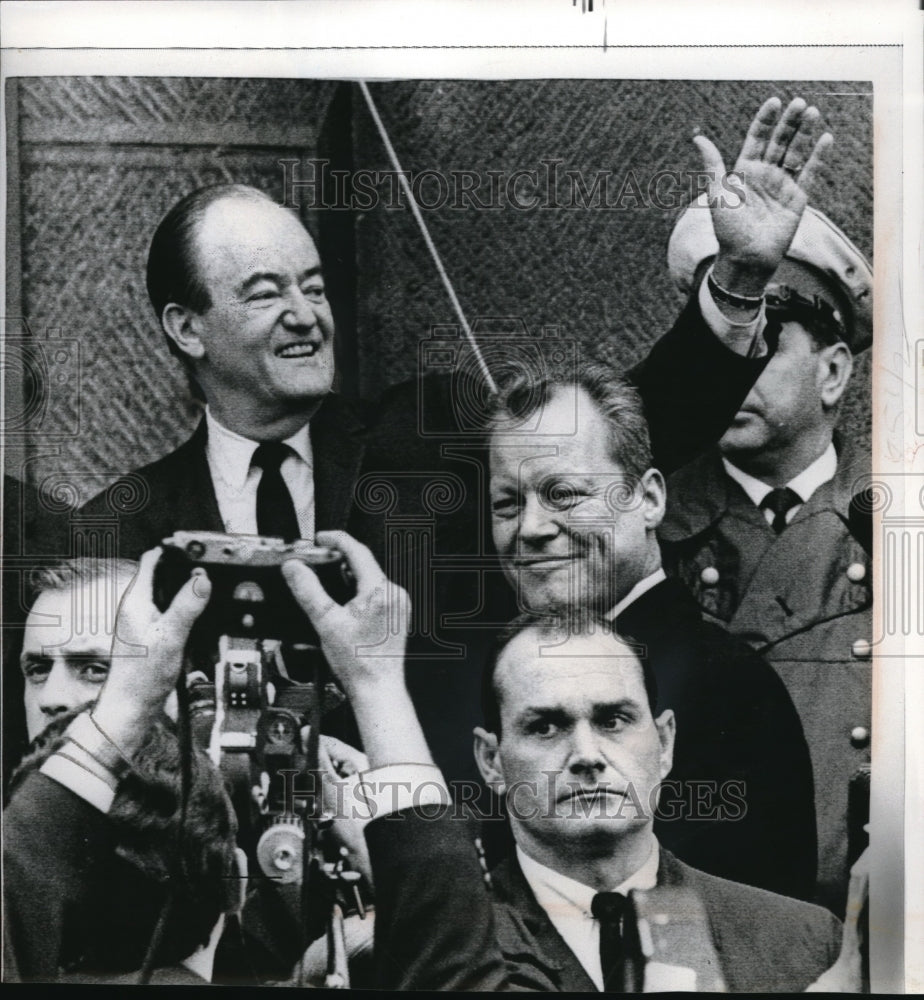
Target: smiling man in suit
(235,281)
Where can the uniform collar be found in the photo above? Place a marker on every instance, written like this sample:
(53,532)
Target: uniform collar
(702,492)
(232,453)
(821,471)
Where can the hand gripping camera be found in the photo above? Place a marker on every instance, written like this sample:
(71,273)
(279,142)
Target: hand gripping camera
(263,678)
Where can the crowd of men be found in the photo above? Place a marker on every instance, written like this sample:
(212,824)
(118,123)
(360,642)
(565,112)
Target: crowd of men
(672,720)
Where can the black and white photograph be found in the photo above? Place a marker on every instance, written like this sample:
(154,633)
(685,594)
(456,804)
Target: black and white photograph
(462,502)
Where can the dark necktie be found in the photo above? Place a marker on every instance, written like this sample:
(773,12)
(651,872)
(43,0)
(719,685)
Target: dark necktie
(608,908)
(276,516)
(780,501)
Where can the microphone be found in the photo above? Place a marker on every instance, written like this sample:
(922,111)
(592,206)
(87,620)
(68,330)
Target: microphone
(668,943)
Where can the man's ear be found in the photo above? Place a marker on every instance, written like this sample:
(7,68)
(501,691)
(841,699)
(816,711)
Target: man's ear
(653,493)
(667,729)
(179,323)
(487,757)
(835,363)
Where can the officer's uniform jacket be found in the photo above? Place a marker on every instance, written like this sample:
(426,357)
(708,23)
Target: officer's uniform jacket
(802,599)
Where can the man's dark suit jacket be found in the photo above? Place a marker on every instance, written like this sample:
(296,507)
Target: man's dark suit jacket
(437,928)
(176,492)
(60,873)
(743,803)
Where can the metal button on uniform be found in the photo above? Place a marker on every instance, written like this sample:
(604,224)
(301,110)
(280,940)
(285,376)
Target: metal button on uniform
(862,649)
(710,576)
(859,736)
(856,572)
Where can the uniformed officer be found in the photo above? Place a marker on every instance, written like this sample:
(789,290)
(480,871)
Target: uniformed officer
(762,529)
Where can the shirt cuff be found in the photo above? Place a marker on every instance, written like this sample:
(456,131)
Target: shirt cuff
(76,778)
(386,790)
(745,339)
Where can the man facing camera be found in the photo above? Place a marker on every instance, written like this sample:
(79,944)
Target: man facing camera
(235,282)
(765,529)
(575,506)
(67,643)
(575,718)
(105,851)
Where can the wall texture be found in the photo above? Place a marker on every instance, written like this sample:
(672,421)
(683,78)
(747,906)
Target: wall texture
(94,163)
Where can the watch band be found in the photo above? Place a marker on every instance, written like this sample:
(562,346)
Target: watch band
(721,294)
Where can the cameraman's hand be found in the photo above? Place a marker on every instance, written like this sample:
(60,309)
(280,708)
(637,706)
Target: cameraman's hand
(147,654)
(364,639)
(364,642)
(756,218)
(341,766)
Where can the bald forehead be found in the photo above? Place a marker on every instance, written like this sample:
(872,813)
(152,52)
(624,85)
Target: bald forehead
(539,660)
(242,208)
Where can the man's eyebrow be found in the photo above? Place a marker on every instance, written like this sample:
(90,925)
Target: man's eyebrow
(89,654)
(602,707)
(540,711)
(585,479)
(256,278)
(28,659)
(278,279)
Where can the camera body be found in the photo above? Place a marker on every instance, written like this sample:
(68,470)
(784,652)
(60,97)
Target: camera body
(249,599)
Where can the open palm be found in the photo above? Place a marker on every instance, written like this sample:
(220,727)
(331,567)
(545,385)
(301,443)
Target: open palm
(756,212)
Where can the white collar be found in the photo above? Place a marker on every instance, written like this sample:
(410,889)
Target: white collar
(552,889)
(232,453)
(636,592)
(823,469)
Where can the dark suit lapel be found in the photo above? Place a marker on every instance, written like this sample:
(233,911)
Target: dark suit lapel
(337,451)
(527,936)
(661,612)
(196,502)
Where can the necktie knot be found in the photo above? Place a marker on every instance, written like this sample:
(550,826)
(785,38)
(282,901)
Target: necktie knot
(608,907)
(270,455)
(779,502)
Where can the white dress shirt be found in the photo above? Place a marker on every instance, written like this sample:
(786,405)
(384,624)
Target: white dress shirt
(821,471)
(568,905)
(236,478)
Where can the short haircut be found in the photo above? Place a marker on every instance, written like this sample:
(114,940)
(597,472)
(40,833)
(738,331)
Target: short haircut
(574,622)
(616,398)
(112,931)
(68,574)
